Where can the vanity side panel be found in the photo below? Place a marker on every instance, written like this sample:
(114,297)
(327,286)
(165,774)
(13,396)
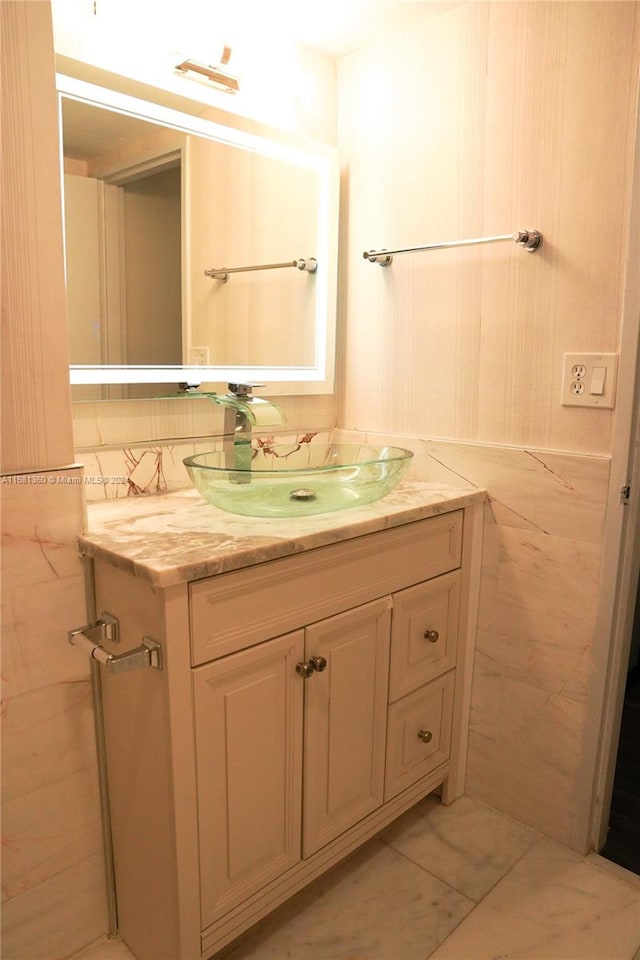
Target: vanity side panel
(470,573)
(185,785)
(139,761)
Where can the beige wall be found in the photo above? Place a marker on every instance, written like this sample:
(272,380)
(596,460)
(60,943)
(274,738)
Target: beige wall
(35,392)
(82,255)
(490,118)
(152,243)
(52,870)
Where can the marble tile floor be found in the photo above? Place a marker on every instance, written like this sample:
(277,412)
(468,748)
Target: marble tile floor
(462,882)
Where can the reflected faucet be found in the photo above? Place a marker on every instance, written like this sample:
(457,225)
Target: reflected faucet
(242,412)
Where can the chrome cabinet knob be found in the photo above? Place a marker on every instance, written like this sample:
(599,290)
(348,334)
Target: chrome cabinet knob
(312,665)
(425,735)
(432,636)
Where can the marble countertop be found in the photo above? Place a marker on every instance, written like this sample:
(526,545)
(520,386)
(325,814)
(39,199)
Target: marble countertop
(176,537)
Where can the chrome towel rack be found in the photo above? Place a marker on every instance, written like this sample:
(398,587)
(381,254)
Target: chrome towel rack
(88,639)
(529,239)
(222,273)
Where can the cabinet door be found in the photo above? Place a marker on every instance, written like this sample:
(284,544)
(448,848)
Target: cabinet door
(424,633)
(248,722)
(345,721)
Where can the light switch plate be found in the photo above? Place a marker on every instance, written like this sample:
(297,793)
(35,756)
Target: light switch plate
(589,380)
(199,356)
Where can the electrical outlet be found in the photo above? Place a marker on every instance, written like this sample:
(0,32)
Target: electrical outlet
(199,356)
(589,380)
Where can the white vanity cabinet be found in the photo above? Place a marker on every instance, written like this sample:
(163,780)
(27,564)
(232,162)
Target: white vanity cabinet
(256,718)
(304,703)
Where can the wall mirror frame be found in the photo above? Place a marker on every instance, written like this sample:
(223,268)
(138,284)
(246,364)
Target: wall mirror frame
(315,377)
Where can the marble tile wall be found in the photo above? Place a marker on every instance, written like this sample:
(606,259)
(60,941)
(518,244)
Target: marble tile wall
(53,897)
(101,424)
(144,469)
(136,448)
(539,591)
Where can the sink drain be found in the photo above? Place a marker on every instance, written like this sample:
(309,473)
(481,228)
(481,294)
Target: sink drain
(303,493)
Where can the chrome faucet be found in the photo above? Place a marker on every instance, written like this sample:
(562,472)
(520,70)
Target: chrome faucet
(242,412)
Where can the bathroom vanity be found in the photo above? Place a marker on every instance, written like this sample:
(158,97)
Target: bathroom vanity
(314,684)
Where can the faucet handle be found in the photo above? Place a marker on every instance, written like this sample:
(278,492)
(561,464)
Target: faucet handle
(243,389)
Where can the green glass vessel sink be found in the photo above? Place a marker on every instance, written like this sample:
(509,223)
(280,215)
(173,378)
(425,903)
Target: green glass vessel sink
(258,479)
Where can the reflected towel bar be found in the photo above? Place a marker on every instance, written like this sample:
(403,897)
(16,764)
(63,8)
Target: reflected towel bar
(529,239)
(222,273)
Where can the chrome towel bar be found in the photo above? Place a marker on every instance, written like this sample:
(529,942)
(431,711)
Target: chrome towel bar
(87,639)
(222,273)
(529,239)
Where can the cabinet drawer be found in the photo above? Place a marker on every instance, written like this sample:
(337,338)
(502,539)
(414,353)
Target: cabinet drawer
(238,609)
(424,634)
(418,734)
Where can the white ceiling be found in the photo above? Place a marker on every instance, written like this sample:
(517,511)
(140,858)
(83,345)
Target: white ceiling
(335,27)
(338,27)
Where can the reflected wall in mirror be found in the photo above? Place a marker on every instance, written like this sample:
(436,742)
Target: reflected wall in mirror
(154,198)
(245,209)
(123,244)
